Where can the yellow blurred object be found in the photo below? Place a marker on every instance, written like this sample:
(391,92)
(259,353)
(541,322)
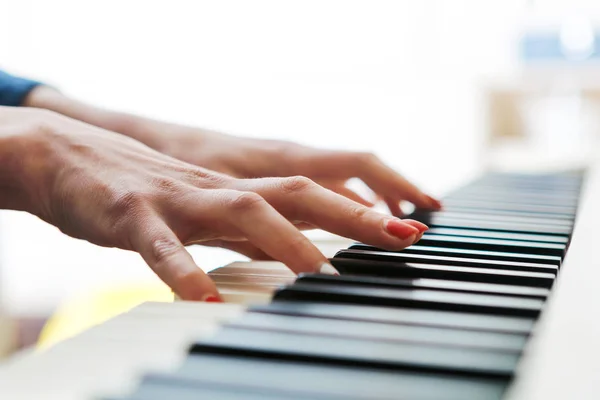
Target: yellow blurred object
(87,310)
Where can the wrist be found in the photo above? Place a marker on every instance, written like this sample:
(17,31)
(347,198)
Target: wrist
(19,158)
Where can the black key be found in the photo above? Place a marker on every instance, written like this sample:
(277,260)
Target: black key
(157,386)
(497,235)
(413,270)
(496,206)
(357,352)
(517,246)
(483,211)
(527,185)
(506,196)
(421,248)
(430,284)
(443,260)
(337,380)
(382,332)
(490,218)
(529,181)
(404,316)
(500,226)
(416,298)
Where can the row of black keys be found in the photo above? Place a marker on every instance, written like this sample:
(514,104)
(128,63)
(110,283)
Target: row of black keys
(445,319)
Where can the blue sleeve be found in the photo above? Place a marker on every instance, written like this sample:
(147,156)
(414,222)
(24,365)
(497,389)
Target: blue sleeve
(13,89)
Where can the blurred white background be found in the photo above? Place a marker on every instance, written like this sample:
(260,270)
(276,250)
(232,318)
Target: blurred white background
(400,78)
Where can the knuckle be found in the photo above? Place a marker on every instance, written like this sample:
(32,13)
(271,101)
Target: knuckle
(125,212)
(357,212)
(164,248)
(244,201)
(297,244)
(296,184)
(367,157)
(200,177)
(127,204)
(166,185)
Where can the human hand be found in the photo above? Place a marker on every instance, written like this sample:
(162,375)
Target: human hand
(116,192)
(251,158)
(246,157)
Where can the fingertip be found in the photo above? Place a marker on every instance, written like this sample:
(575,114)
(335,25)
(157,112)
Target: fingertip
(394,207)
(433,203)
(419,236)
(416,224)
(398,228)
(328,269)
(210,298)
(196,286)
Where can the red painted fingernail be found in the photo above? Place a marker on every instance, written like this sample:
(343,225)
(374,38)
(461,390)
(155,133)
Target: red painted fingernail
(396,227)
(212,299)
(416,224)
(419,236)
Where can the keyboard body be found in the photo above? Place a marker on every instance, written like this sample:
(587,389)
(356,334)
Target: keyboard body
(536,335)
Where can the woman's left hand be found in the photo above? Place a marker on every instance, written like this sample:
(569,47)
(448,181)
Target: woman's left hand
(256,158)
(246,157)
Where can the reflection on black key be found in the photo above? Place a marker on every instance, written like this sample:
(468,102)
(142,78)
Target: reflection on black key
(338,380)
(425,299)
(503,197)
(382,332)
(468,274)
(481,211)
(176,387)
(424,283)
(442,260)
(551,249)
(402,316)
(496,206)
(423,248)
(495,226)
(491,218)
(471,233)
(366,353)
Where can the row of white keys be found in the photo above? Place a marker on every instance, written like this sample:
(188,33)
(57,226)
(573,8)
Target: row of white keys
(111,357)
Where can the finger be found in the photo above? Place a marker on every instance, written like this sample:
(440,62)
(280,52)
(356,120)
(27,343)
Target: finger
(419,225)
(351,194)
(419,236)
(381,178)
(304,226)
(168,258)
(299,198)
(394,206)
(268,230)
(245,248)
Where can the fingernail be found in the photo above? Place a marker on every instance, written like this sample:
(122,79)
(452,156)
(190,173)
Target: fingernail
(434,203)
(328,269)
(419,236)
(212,299)
(396,227)
(416,224)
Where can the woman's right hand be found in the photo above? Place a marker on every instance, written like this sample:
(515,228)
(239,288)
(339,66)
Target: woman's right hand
(116,192)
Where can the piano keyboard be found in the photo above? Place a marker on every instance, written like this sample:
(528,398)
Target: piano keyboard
(448,318)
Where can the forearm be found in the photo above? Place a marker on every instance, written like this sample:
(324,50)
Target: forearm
(130,125)
(153,133)
(183,142)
